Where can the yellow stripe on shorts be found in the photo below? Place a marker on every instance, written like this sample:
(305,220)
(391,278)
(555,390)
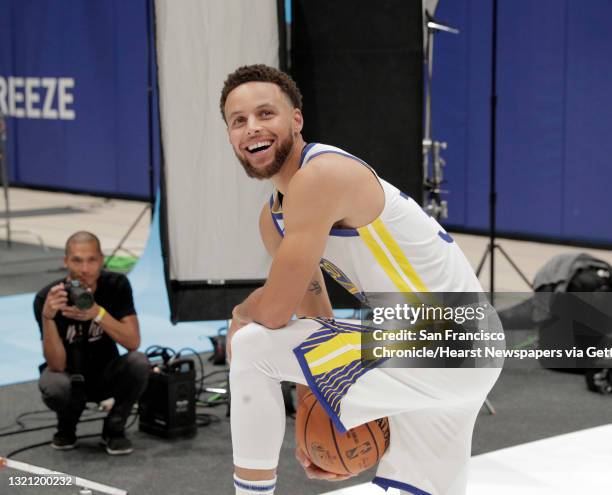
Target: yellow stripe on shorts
(342,360)
(333,344)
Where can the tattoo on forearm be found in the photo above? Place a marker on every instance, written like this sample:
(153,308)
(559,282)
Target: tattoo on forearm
(315,287)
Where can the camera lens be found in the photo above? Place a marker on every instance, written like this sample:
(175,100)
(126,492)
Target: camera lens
(85,300)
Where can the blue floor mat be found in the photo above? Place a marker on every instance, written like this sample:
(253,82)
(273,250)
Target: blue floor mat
(20,344)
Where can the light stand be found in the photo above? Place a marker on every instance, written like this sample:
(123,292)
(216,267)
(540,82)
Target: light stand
(4,178)
(433,203)
(151,171)
(5,186)
(490,249)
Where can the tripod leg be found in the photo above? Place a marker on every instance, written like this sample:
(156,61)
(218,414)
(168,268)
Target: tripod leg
(482,260)
(127,234)
(515,266)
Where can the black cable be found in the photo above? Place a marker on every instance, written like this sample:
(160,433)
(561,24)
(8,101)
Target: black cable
(153,347)
(23,449)
(80,437)
(196,353)
(21,416)
(41,444)
(136,414)
(203,419)
(165,353)
(46,427)
(46,411)
(18,422)
(218,372)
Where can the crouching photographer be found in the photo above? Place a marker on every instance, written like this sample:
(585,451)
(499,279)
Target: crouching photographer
(82,318)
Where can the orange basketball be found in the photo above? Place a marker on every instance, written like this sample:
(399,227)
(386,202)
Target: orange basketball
(342,453)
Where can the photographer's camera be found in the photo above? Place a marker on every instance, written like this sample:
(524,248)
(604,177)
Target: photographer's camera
(78,295)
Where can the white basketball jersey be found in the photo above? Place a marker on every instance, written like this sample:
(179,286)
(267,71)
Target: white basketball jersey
(403,250)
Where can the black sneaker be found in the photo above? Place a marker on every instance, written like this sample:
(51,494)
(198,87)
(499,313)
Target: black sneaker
(63,441)
(117,444)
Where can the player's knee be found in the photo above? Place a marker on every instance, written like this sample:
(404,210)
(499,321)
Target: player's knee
(248,345)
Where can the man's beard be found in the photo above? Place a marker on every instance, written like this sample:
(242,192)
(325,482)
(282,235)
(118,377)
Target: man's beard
(280,156)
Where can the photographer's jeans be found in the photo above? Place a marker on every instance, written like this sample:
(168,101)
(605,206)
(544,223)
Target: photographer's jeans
(125,379)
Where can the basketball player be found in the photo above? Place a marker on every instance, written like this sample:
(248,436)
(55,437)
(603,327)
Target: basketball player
(330,211)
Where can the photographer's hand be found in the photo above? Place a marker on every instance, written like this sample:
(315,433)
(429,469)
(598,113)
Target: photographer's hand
(56,300)
(124,331)
(75,313)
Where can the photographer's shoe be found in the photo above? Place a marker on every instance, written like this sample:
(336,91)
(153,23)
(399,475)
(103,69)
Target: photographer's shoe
(63,441)
(117,444)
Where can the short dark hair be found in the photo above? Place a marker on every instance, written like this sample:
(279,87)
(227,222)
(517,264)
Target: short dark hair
(261,73)
(82,237)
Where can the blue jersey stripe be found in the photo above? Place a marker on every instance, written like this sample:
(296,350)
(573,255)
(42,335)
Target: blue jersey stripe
(344,233)
(305,151)
(446,237)
(386,483)
(341,153)
(275,222)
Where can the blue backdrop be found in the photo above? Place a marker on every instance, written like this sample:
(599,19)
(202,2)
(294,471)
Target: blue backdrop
(73,82)
(74,75)
(554,115)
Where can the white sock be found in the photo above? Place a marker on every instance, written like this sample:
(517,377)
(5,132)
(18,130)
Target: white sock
(246,487)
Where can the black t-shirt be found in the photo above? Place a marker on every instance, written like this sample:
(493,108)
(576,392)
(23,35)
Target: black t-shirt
(88,348)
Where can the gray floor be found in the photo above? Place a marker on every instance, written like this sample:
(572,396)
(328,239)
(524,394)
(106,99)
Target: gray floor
(27,267)
(531,403)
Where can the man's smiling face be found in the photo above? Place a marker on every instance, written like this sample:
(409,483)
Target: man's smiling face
(262,126)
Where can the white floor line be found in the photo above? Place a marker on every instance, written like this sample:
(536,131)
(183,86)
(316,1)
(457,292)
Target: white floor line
(567,464)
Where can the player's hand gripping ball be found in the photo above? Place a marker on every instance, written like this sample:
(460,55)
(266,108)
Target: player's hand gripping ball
(342,453)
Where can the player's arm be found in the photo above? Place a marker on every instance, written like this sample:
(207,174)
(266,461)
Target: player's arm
(308,220)
(316,300)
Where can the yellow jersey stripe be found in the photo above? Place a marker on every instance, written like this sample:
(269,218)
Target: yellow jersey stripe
(333,344)
(399,256)
(383,260)
(337,362)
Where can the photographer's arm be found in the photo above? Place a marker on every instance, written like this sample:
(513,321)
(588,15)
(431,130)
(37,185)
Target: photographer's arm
(53,348)
(125,331)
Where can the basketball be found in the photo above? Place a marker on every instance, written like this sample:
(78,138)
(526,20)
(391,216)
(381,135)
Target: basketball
(342,453)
